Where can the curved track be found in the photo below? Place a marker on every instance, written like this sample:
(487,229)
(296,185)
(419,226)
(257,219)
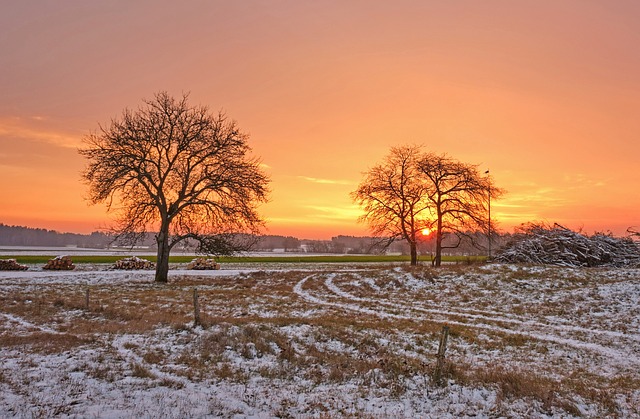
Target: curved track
(329,290)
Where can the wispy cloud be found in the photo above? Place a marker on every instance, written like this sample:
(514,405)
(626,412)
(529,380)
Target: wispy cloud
(325,181)
(335,212)
(532,203)
(579,181)
(541,197)
(319,215)
(32,129)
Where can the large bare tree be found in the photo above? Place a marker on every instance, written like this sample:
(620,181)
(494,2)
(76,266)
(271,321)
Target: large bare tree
(177,170)
(394,198)
(459,197)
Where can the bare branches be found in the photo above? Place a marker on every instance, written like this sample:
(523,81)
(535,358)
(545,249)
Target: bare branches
(459,196)
(558,245)
(392,197)
(175,168)
(413,190)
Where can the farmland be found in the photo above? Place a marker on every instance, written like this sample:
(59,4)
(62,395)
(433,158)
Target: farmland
(262,258)
(321,339)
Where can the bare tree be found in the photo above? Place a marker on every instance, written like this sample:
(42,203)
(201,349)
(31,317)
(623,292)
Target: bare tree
(411,191)
(458,198)
(394,198)
(180,171)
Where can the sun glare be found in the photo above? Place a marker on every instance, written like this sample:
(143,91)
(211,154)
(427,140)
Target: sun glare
(426,231)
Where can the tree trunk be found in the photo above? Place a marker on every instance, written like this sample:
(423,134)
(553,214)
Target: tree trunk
(414,253)
(162,263)
(438,260)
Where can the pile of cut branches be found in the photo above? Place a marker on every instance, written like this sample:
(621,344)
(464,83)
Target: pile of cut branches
(558,245)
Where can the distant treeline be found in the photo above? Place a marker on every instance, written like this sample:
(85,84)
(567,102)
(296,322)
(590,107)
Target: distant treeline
(27,236)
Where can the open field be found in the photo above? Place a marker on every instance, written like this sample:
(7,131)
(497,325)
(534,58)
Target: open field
(321,340)
(264,259)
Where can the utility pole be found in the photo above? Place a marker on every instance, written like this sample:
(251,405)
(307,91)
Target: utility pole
(489,179)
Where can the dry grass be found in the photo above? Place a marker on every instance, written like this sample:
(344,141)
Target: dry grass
(141,371)
(250,319)
(45,343)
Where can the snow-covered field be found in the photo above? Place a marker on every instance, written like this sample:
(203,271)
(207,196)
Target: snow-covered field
(321,341)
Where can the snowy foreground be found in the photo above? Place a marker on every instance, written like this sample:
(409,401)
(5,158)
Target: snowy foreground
(321,341)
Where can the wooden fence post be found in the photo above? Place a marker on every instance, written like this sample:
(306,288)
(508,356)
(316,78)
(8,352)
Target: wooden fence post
(442,348)
(196,308)
(86,299)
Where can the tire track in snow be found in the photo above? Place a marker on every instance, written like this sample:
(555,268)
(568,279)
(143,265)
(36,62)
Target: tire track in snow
(119,343)
(469,313)
(621,357)
(298,289)
(516,318)
(28,325)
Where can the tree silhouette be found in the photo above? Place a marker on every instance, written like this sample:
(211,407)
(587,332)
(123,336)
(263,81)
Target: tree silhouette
(393,198)
(179,171)
(411,191)
(458,198)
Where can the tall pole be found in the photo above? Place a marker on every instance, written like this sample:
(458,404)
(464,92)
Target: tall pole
(489,190)
(489,219)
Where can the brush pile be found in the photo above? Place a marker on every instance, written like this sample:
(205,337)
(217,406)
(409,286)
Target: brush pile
(558,245)
(11,265)
(133,263)
(59,263)
(203,264)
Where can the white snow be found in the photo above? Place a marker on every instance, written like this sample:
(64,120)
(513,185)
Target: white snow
(561,322)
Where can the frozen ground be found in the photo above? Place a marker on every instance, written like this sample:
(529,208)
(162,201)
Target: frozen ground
(321,341)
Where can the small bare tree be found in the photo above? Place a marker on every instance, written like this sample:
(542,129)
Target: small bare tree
(394,198)
(459,197)
(177,170)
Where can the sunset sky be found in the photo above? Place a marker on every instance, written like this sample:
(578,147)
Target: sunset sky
(544,94)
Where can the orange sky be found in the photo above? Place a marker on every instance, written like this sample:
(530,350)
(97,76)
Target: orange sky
(545,94)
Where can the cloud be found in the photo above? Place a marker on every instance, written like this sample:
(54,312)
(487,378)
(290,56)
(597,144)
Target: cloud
(335,213)
(318,215)
(541,197)
(578,181)
(32,129)
(531,203)
(325,181)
